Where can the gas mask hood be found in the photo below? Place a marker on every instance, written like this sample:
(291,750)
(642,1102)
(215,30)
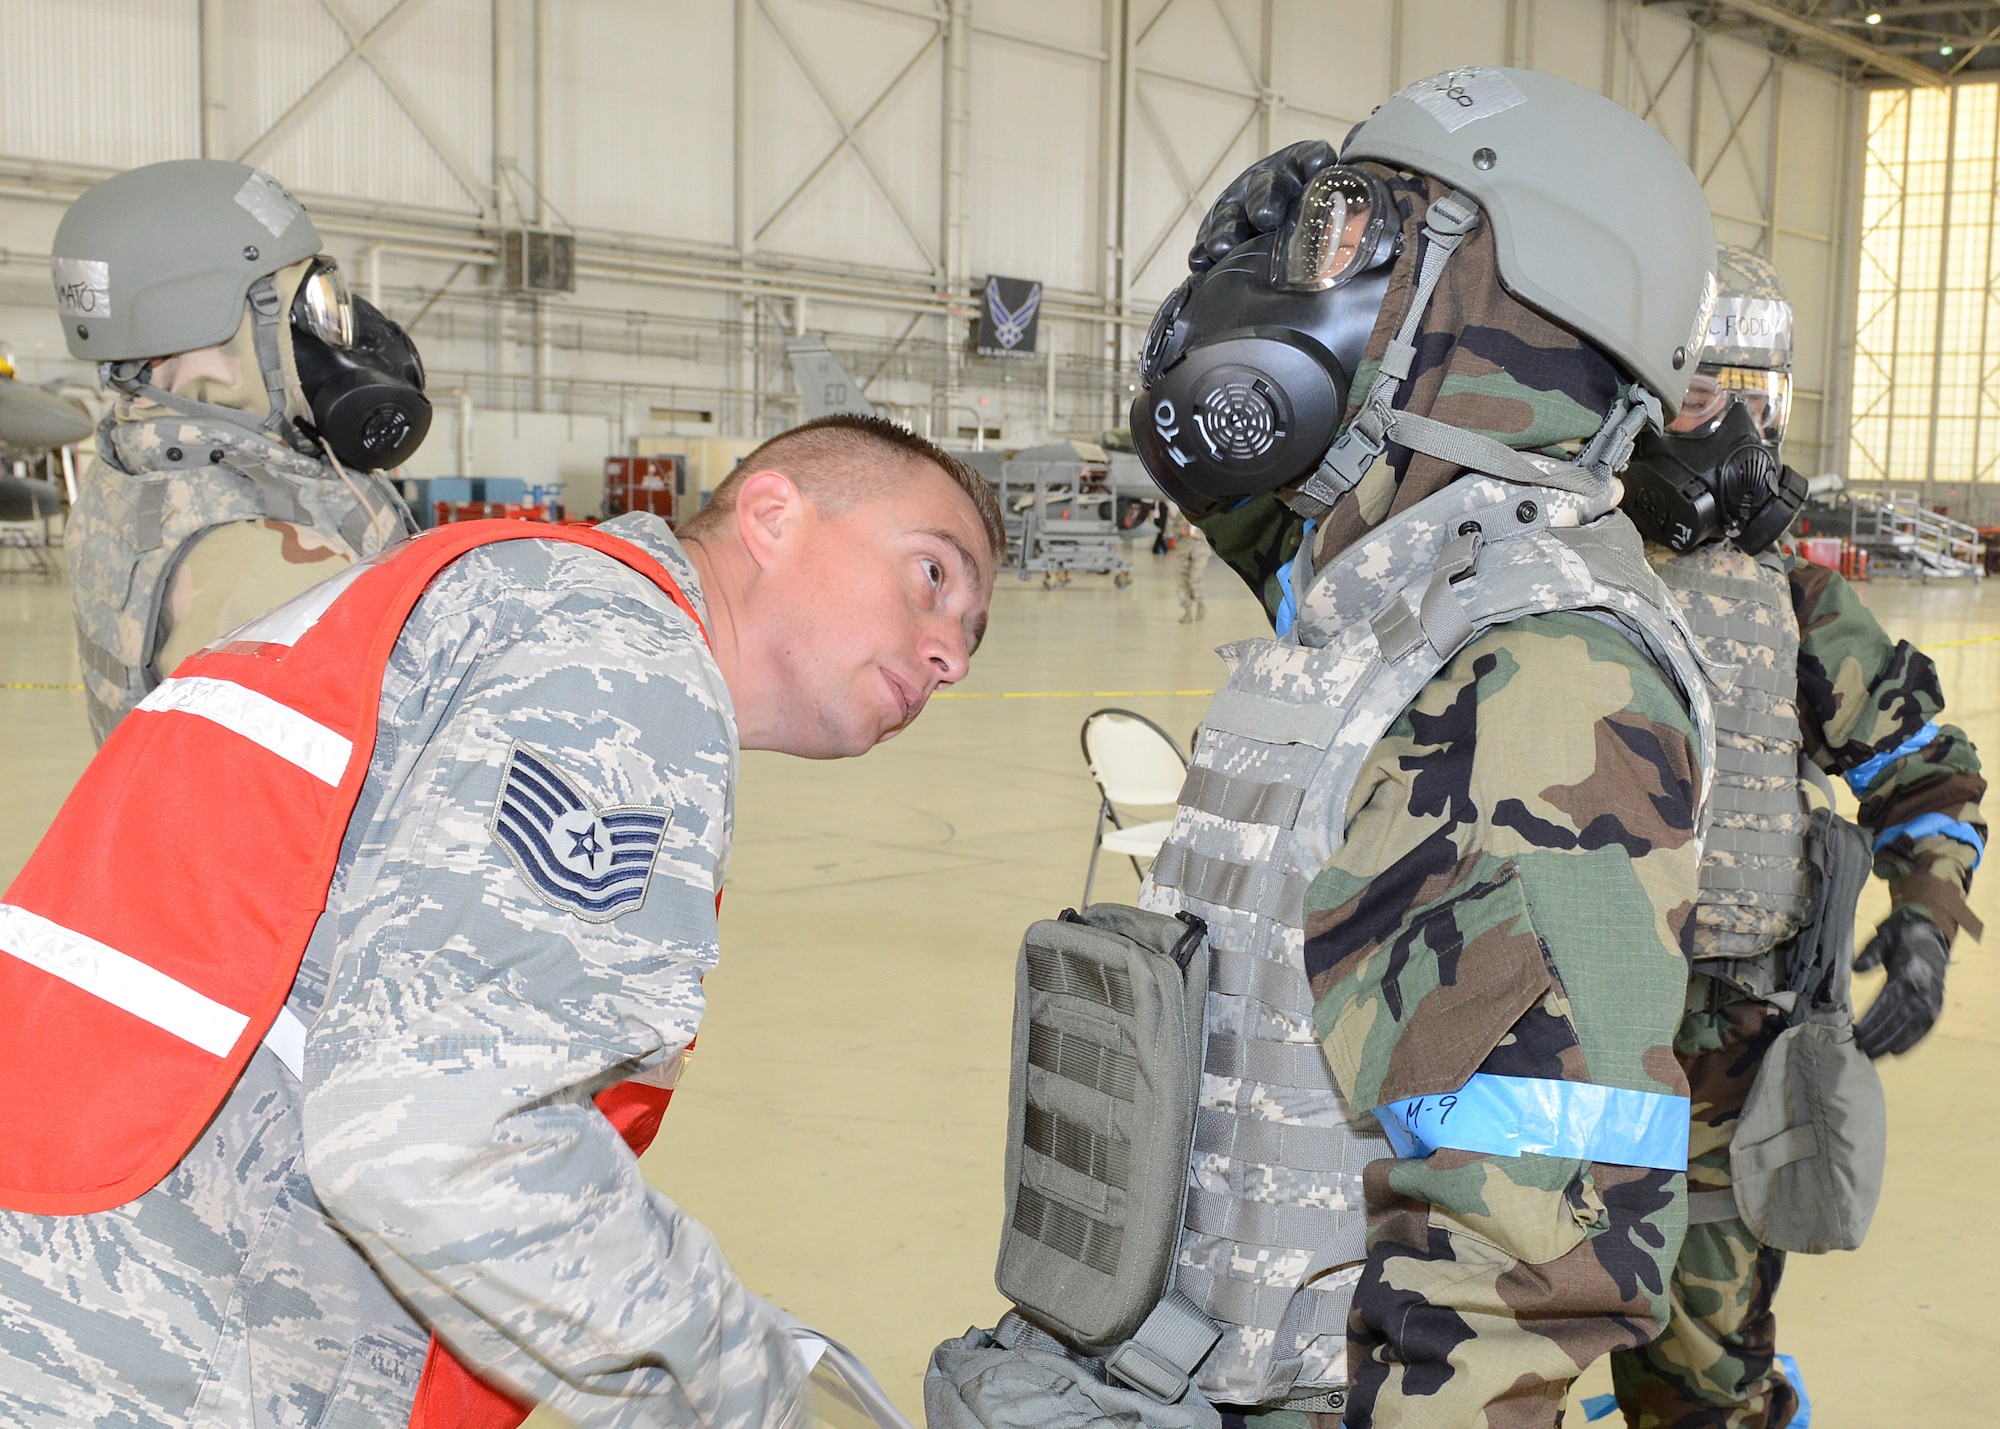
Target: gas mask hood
(1247,368)
(1685,491)
(366,395)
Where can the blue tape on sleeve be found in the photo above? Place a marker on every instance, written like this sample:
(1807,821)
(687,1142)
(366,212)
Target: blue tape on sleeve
(1803,1418)
(1598,1406)
(1923,825)
(1522,1116)
(1288,605)
(1862,775)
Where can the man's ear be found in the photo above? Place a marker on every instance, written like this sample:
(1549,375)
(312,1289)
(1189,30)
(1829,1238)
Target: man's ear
(769,508)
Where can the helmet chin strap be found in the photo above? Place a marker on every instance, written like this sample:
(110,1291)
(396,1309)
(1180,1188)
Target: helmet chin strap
(1446,223)
(266,313)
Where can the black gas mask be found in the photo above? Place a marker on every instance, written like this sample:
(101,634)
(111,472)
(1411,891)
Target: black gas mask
(360,372)
(1246,370)
(1686,490)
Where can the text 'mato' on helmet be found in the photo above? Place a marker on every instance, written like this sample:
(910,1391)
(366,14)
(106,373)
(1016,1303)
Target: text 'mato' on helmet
(1597,221)
(159,259)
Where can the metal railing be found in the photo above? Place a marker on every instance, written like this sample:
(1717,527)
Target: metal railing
(1898,530)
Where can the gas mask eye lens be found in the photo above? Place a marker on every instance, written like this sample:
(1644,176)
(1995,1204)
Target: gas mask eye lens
(1346,225)
(324,307)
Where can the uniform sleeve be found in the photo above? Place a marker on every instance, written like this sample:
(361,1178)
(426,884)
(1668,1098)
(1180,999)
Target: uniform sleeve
(481,998)
(1257,540)
(1510,905)
(1870,708)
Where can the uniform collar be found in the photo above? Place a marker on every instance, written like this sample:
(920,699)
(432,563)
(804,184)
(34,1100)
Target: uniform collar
(652,535)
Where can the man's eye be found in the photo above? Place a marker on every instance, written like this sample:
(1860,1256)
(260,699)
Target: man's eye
(934,573)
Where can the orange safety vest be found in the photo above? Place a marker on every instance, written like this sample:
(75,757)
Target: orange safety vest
(153,936)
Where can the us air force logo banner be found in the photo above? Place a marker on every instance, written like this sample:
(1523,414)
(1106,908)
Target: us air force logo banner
(1010,314)
(592,862)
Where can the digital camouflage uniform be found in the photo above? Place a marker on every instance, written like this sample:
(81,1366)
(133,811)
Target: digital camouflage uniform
(442,1166)
(1512,897)
(161,489)
(1860,696)
(1190,569)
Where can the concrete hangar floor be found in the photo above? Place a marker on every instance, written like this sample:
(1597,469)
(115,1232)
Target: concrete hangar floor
(840,1129)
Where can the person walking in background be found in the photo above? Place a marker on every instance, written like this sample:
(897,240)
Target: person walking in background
(1190,553)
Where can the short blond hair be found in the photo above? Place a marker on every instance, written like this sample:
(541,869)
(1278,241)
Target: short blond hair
(837,461)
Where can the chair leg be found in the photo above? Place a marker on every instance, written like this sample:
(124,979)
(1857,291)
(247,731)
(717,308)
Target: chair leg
(1096,842)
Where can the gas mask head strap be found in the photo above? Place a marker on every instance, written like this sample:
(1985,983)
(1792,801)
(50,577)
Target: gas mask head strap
(1446,223)
(266,312)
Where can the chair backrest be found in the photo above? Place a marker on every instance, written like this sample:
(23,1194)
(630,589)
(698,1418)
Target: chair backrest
(1133,760)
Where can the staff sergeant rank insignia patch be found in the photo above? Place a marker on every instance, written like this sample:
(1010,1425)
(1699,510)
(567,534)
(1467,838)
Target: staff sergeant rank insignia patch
(595,863)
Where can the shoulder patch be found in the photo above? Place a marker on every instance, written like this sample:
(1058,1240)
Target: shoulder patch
(595,863)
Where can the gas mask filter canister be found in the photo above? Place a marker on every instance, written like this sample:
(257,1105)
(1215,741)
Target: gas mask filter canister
(1246,370)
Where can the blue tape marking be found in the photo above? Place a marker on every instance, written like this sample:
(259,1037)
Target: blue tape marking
(1923,825)
(1288,606)
(1790,1366)
(1862,775)
(1520,1116)
(1599,1405)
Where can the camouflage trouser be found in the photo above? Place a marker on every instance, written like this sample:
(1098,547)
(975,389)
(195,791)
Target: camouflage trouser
(1714,1366)
(1190,570)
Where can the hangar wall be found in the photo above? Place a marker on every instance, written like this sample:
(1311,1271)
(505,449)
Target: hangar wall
(734,171)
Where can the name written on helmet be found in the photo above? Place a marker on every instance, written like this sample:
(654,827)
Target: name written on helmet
(83,287)
(1751,322)
(1459,96)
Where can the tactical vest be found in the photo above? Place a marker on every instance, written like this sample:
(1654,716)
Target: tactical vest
(1274,1226)
(148,946)
(154,489)
(1755,883)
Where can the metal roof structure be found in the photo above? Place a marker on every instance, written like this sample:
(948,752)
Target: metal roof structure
(1913,42)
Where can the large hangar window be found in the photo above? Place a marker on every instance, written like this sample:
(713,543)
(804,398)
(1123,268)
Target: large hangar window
(1927,346)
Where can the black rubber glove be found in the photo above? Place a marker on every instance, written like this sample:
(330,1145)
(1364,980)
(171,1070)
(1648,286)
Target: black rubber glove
(1262,197)
(1914,950)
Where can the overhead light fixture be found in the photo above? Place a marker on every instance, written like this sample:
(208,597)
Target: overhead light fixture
(1944,49)
(1874,17)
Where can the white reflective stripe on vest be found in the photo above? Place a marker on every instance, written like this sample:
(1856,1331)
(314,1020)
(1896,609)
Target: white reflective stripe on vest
(258,718)
(121,980)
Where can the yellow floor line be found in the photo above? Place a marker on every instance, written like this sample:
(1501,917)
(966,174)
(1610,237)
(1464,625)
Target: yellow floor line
(34,685)
(1058,694)
(1954,644)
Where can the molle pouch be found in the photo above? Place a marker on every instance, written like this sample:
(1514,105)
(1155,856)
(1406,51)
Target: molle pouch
(1108,1043)
(1809,1147)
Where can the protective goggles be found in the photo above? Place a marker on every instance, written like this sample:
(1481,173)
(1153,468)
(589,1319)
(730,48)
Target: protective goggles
(1347,224)
(1765,394)
(323,306)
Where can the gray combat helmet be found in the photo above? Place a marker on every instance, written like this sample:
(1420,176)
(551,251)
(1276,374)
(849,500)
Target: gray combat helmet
(1598,222)
(161,259)
(1752,322)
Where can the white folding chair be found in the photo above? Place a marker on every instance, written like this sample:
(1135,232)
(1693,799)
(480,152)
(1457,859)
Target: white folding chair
(1136,764)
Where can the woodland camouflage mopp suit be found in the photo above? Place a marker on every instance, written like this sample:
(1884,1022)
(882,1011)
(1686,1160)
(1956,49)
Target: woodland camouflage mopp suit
(1816,676)
(1444,831)
(255,402)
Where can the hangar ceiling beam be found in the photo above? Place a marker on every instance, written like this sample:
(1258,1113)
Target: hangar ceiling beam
(1908,71)
(850,136)
(359,42)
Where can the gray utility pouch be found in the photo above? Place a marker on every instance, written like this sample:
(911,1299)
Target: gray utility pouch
(1809,1147)
(1016,1377)
(1108,1042)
